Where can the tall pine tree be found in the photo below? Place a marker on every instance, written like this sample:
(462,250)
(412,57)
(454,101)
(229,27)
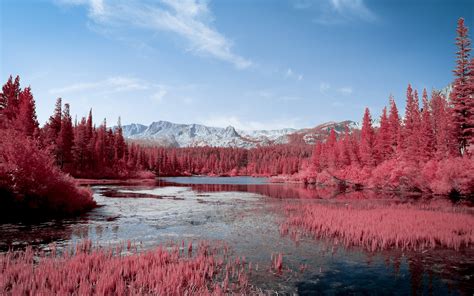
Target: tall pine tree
(461,96)
(367,140)
(426,143)
(26,120)
(66,138)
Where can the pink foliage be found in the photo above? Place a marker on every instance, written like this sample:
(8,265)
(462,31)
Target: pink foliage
(30,181)
(454,173)
(429,152)
(109,271)
(377,227)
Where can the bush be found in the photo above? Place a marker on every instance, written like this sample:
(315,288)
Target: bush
(30,182)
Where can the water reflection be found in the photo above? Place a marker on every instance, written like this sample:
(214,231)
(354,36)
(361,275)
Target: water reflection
(244,212)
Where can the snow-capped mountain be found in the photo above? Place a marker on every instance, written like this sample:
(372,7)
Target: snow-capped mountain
(166,133)
(187,135)
(321,132)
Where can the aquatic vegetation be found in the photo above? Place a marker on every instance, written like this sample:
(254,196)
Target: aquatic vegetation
(277,262)
(85,270)
(378,227)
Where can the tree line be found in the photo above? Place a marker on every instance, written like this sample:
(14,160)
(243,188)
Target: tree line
(429,149)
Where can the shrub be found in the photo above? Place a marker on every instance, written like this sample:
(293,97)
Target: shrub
(29,181)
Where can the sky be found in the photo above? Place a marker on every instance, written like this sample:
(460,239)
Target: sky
(252,64)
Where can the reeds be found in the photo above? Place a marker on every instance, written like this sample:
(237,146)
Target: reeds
(204,269)
(378,227)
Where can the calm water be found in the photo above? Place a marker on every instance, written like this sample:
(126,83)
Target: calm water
(246,213)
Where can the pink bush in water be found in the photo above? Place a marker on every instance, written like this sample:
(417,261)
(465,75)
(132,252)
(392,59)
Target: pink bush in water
(382,227)
(88,271)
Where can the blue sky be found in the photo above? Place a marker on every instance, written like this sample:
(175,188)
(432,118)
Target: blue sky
(250,64)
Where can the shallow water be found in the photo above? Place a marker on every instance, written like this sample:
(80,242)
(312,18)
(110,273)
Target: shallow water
(246,213)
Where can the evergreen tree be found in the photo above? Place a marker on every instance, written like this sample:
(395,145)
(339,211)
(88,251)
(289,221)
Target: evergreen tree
(461,96)
(26,120)
(426,148)
(332,150)
(53,126)
(394,124)
(445,141)
(9,100)
(383,145)
(80,148)
(470,92)
(410,140)
(367,140)
(66,138)
(120,146)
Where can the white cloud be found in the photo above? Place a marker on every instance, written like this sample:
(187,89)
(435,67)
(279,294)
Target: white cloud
(190,19)
(345,90)
(324,87)
(97,7)
(111,84)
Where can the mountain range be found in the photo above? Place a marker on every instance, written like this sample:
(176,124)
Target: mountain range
(165,133)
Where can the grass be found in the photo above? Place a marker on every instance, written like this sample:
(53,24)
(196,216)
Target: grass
(200,269)
(379,227)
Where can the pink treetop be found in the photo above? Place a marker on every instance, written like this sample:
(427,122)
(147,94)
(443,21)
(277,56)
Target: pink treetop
(394,124)
(26,118)
(383,139)
(367,140)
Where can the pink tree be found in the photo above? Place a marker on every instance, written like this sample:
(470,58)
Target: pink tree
(383,139)
(66,138)
(426,147)
(394,124)
(445,141)
(9,99)
(26,118)
(410,131)
(461,96)
(367,140)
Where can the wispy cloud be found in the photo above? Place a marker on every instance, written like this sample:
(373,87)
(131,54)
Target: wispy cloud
(345,90)
(290,74)
(353,8)
(334,12)
(159,95)
(129,88)
(111,84)
(190,19)
(324,87)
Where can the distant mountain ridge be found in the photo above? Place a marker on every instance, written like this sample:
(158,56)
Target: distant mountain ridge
(165,133)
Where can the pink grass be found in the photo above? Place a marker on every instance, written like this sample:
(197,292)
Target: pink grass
(378,227)
(87,271)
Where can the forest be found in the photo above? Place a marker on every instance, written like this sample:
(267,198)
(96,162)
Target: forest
(429,149)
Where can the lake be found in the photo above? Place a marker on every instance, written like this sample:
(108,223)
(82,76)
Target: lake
(247,213)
